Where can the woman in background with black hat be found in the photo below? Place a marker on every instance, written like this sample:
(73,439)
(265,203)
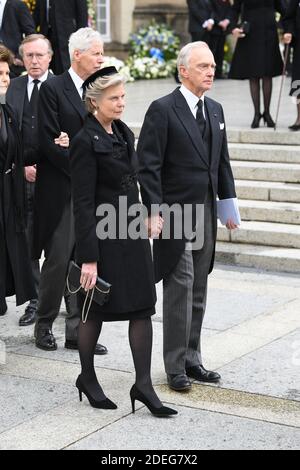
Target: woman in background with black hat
(103,168)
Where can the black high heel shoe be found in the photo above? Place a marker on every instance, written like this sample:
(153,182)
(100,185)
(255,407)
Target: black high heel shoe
(135,394)
(256,121)
(268,120)
(105,404)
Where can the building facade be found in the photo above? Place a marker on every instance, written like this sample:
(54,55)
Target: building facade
(116,19)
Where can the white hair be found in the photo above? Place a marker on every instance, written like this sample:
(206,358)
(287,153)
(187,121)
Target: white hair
(82,40)
(96,89)
(185,54)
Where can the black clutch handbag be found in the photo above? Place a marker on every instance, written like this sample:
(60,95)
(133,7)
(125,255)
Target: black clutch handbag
(245,26)
(99,294)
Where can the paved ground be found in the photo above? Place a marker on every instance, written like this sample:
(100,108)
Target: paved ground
(251,336)
(233,94)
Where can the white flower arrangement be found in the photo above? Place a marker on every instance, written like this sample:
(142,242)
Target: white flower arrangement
(150,68)
(122,68)
(153,52)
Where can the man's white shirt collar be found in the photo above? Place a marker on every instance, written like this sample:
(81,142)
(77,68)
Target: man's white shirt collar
(42,79)
(78,82)
(30,83)
(192,100)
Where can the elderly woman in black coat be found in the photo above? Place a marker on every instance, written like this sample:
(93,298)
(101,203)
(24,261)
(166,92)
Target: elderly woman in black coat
(291,23)
(103,169)
(15,267)
(257,55)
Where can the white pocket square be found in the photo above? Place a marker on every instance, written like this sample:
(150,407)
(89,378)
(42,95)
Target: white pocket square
(222,126)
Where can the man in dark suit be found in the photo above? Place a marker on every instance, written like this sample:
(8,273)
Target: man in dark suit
(221,14)
(57,20)
(60,109)
(15,22)
(22,96)
(200,19)
(184,160)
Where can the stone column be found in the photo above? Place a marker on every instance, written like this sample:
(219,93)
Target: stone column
(121,20)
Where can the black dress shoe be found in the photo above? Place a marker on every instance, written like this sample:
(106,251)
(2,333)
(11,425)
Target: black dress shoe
(100,350)
(45,340)
(200,374)
(294,127)
(3,309)
(179,382)
(29,316)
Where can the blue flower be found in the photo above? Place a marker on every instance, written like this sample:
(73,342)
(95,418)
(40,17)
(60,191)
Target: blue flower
(156,53)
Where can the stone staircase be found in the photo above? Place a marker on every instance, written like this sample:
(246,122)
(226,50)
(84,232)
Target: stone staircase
(266,166)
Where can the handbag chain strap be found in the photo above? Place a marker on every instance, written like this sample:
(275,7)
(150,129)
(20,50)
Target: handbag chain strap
(85,313)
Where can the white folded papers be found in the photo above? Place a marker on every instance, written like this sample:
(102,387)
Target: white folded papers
(228,209)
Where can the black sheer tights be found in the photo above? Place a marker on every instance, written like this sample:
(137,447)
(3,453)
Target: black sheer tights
(140,339)
(255,93)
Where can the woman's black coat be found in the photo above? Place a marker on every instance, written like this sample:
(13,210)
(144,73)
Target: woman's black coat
(101,171)
(291,24)
(258,54)
(14,257)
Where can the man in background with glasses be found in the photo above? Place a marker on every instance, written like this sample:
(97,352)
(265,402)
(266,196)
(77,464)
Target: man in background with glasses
(36,53)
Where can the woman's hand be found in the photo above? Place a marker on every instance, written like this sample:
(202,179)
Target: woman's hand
(89,275)
(287,38)
(30,173)
(154,225)
(63,140)
(238,33)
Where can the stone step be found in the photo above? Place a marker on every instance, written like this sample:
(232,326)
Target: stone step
(268,191)
(262,171)
(263,233)
(264,153)
(263,136)
(269,211)
(259,257)
(247,136)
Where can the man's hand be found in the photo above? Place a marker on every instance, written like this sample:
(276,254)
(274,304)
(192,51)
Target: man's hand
(89,275)
(63,140)
(231,225)
(154,225)
(287,38)
(30,173)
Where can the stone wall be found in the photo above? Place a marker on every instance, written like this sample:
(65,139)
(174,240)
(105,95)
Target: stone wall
(171,12)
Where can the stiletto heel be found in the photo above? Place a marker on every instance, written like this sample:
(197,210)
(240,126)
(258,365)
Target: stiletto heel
(133,404)
(268,121)
(105,404)
(136,394)
(256,121)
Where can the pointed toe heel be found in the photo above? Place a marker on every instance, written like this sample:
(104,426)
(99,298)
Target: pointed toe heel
(268,121)
(104,404)
(256,121)
(162,411)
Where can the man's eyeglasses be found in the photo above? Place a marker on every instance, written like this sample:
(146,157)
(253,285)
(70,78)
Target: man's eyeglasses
(37,56)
